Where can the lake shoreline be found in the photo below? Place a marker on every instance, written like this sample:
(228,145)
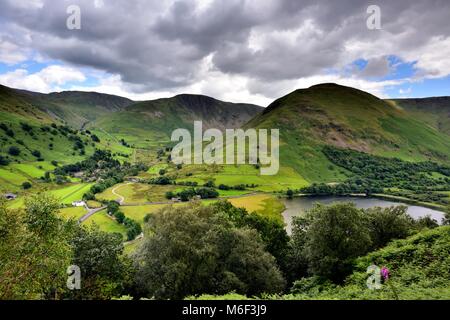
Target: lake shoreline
(300,204)
(381,196)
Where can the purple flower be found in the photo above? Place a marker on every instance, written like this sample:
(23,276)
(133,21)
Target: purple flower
(385,273)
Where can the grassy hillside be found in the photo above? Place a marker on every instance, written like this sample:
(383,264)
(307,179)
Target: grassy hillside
(145,123)
(330,114)
(33,137)
(78,108)
(435,111)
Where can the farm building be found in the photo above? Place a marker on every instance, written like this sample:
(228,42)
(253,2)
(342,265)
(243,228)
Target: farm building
(10,196)
(78,204)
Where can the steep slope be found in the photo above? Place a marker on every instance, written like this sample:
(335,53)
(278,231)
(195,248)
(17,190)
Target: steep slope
(72,107)
(435,111)
(330,114)
(154,120)
(38,134)
(78,108)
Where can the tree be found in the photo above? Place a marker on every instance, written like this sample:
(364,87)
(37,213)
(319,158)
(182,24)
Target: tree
(192,250)
(272,231)
(95,138)
(120,216)
(112,207)
(333,237)
(47,177)
(169,195)
(426,222)
(26,185)
(162,172)
(104,270)
(386,224)
(14,151)
(34,250)
(3,161)
(133,228)
(209,184)
(36,153)
(290,194)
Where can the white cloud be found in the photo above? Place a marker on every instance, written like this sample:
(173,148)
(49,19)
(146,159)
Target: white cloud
(405,91)
(44,81)
(10,53)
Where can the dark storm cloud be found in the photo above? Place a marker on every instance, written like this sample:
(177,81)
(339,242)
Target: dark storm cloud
(156,45)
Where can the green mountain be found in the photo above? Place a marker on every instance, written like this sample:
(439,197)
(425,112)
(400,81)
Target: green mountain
(308,119)
(146,122)
(331,114)
(37,129)
(77,108)
(435,111)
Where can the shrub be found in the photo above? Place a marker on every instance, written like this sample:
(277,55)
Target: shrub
(120,216)
(169,195)
(4,161)
(26,127)
(95,138)
(36,153)
(26,185)
(209,184)
(14,151)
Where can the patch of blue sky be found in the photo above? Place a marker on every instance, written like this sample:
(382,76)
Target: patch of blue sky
(421,88)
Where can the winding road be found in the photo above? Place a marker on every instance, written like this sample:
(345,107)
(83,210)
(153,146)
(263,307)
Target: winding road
(90,213)
(121,198)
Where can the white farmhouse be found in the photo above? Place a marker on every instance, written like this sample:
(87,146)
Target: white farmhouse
(78,203)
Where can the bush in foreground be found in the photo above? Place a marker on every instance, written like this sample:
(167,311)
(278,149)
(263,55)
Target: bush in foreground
(193,250)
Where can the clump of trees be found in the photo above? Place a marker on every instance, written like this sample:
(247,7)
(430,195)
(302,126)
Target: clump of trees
(240,187)
(4,161)
(14,151)
(37,246)
(188,194)
(374,174)
(8,131)
(326,241)
(194,250)
(134,229)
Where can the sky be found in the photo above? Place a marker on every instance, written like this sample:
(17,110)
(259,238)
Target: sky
(236,50)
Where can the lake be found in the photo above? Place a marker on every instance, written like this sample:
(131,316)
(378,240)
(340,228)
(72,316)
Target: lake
(299,205)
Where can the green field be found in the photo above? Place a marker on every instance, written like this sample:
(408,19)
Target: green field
(137,193)
(263,204)
(72,212)
(72,193)
(106,223)
(11,177)
(138,213)
(35,170)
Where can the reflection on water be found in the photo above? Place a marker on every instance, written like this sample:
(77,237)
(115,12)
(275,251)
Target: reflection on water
(297,206)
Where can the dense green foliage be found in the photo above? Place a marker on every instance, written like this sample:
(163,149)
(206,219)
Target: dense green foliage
(419,268)
(133,228)
(326,241)
(192,250)
(104,272)
(34,250)
(422,181)
(37,247)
